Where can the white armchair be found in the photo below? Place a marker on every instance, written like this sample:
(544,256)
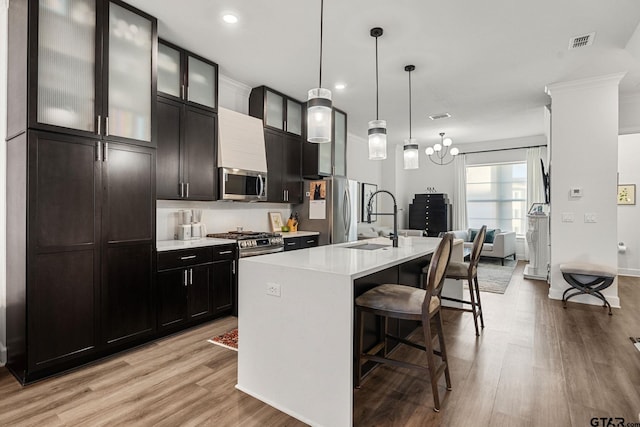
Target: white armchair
(503,246)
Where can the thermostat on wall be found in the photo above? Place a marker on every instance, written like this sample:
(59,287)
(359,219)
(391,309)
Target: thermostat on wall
(575,192)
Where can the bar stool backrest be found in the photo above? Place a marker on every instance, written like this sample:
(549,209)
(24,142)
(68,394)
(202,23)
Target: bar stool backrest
(436,269)
(477,247)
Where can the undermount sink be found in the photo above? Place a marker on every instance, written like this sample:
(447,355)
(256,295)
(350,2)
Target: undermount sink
(367,246)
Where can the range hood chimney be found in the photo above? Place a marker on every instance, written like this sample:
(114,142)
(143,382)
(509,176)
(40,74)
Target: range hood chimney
(240,141)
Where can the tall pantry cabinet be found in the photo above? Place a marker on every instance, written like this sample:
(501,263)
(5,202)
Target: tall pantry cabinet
(80,182)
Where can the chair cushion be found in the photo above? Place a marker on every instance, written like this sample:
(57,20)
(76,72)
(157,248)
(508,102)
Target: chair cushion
(458,270)
(588,269)
(397,299)
(489,236)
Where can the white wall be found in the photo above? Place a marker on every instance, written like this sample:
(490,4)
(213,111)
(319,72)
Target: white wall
(3,178)
(584,153)
(628,230)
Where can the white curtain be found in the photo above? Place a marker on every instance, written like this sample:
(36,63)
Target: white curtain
(535,186)
(460,193)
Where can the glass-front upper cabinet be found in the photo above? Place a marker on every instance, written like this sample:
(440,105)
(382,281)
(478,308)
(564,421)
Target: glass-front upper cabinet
(67,63)
(277,111)
(131,44)
(339,142)
(93,70)
(187,77)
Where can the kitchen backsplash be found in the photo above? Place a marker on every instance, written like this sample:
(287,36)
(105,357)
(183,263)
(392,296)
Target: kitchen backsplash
(219,216)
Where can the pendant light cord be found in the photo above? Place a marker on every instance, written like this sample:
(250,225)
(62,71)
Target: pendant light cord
(321,21)
(409,104)
(376,78)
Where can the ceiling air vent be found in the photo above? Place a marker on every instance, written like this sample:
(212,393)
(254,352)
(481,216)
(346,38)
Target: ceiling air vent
(581,41)
(440,116)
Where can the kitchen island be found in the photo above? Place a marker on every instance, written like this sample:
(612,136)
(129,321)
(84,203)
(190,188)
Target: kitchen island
(296,322)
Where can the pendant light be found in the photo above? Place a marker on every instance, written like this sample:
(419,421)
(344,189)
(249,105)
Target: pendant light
(443,152)
(411,157)
(319,104)
(377,128)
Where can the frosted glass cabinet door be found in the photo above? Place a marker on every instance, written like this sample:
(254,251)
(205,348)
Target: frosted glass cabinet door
(66,64)
(340,138)
(202,83)
(294,117)
(130,82)
(169,78)
(275,110)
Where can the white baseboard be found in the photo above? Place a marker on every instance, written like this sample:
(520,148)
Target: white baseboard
(633,272)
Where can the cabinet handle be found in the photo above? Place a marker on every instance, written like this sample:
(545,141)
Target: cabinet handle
(106,126)
(187,190)
(233,267)
(185,278)
(310,241)
(182,91)
(225,252)
(191,276)
(99,123)
(187,257)
(181,190)
(98,151)
(291,244)
(106,151)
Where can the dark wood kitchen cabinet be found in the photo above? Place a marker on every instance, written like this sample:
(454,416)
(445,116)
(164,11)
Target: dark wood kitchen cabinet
(187,77)
(300,242)
(322,160)
(90,69)
(277,110)
(187,138)
(82,214)
(195,285)
(283,166)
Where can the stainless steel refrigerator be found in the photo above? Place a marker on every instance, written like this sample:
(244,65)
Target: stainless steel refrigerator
(340,197)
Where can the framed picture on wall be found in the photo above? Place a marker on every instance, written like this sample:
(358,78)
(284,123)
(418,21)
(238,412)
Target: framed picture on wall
(367,191)
(626,194)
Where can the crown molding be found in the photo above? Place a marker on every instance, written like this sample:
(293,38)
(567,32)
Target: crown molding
(591,82)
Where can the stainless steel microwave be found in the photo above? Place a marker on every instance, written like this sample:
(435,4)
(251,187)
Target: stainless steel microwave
(239,184)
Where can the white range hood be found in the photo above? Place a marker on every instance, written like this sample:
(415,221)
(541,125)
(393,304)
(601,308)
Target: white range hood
(240,142)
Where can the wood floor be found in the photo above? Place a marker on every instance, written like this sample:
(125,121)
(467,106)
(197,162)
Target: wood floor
(535,364)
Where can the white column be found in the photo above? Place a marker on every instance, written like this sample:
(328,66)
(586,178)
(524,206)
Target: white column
(584,154)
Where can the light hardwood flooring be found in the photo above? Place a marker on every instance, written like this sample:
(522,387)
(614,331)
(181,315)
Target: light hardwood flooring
(535,364)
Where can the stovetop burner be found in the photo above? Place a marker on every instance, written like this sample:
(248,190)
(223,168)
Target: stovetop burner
(242,235)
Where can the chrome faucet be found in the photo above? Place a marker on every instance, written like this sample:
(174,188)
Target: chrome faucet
(393,238)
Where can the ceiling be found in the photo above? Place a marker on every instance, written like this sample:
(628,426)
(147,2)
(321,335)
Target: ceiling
(484,62)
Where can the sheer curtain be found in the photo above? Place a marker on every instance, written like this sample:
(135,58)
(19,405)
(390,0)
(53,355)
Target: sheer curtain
(460,193)
(535,186)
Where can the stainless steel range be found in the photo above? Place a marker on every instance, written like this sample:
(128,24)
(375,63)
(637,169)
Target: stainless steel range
(252,243)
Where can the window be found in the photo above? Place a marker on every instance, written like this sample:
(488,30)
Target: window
(497,196)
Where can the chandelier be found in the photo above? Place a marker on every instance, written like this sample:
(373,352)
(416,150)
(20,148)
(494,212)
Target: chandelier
(443,153)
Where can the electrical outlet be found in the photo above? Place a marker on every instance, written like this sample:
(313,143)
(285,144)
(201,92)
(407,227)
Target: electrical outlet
(273,289)
(590,217)
(567,216)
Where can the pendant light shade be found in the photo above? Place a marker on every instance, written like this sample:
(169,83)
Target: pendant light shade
(319,104)
(410,152)
(377,128)
(377,139)
(319,116)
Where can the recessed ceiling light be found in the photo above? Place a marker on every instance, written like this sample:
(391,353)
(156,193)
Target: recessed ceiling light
(440,116)
(230,18)
(340,86)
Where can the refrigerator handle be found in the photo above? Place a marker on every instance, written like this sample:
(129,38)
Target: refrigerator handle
(349,213)
(345,206)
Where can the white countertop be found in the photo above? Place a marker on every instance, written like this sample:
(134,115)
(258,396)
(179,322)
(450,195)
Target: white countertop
(354,263)
(291,234)
(172,245)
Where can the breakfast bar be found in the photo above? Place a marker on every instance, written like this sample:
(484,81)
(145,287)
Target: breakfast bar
(295,322)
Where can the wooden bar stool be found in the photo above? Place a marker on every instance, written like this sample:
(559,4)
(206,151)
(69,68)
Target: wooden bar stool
(407,302)
(587,278)
(469,271)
